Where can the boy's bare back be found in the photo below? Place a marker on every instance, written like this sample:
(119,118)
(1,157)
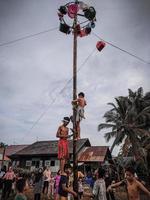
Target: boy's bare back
(81,102)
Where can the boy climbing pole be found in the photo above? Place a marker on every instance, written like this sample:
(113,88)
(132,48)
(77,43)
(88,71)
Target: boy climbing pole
(63,135)
(79,104)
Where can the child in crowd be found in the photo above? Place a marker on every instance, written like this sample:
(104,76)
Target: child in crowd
(64,183)
(46,179)
(79,103)
(38,183)
(56,185)
(20,186)
(51,187)
(133,186)
(99,189)
(80,188)
(8,178)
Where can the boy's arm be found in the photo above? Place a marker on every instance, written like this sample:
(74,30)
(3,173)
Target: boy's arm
(144,189)
(69,190)
(75,101)
(114,185)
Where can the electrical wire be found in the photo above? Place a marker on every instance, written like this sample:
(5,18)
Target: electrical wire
(27,37)
(123,50)
(61,91)
(52,29)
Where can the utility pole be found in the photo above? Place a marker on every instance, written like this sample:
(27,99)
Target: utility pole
(78,29)
(75,164)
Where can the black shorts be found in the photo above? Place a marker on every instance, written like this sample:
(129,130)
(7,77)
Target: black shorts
(80,194)
(46,184)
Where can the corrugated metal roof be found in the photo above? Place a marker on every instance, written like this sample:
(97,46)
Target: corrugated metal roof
(93,154)
(49,147)
(11,149)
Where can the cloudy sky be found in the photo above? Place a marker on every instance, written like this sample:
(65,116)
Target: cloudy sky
(34,71)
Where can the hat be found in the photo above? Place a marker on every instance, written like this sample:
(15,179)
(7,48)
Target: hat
(66,119)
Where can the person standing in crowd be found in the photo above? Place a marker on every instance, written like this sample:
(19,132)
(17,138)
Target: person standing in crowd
(80,174)
(51,187)
(80,187)
(99,189)
(38,183)
(64,183)
(2,173)
(89,179)
(46,177)
(20,186)
(132,185)
(108,181)
(56,185)
(8,180)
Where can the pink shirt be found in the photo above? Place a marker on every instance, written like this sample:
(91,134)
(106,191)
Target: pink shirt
(57,180)
(9,175)
(47,175)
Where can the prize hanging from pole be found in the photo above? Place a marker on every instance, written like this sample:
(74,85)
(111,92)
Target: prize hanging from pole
(86,18)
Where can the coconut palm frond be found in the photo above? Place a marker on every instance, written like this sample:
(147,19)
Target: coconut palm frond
(109,135)
(104,125)
(145,111)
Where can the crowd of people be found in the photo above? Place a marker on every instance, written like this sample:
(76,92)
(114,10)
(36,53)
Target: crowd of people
(60,187)
(15,183)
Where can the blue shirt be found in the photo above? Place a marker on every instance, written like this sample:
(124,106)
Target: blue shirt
(63,181)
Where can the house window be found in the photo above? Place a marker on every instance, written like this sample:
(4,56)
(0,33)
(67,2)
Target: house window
(52,163)
(28,163)
(56,162)
(47,163)
(35,163)
(41,163)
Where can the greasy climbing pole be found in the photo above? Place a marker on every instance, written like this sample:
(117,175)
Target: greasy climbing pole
(82,19)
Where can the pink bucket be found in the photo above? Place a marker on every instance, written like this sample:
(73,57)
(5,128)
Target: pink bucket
(73,10)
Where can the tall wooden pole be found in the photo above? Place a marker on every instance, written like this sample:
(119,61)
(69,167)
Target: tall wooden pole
(75,184)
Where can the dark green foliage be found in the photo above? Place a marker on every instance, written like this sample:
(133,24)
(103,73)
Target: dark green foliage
(129,120)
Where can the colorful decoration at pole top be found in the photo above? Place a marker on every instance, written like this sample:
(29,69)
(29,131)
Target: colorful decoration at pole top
(87,16)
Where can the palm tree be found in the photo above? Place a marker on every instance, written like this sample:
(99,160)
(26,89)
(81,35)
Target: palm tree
(129,121)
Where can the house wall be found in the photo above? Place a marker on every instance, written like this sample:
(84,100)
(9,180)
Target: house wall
(33,162)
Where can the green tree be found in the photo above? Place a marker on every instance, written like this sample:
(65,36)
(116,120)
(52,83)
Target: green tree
(129,122)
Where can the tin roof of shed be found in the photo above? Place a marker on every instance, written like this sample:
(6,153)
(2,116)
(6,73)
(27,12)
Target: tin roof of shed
(94,154)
